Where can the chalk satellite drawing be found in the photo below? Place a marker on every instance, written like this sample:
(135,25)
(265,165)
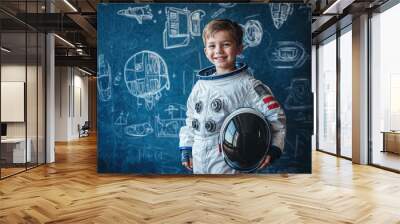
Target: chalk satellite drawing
(253,33)
(148,59)
(146,76)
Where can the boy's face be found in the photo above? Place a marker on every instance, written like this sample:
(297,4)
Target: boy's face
(221,49)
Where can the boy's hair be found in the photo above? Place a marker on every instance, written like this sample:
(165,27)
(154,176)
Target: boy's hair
(216,25)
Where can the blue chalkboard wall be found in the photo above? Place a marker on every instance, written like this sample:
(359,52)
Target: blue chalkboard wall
(139,114)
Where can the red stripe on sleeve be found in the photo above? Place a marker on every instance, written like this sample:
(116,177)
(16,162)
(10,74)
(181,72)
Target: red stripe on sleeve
(268,99)
(273,106)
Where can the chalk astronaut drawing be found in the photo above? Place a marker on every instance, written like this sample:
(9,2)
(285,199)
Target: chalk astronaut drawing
(139,13)
(146,76)
(104,79)
(168,124)
(253,33)
(280,13)
(180,26)
(288,55)
(139,130)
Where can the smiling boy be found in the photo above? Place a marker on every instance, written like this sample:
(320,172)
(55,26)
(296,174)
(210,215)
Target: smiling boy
(222,89)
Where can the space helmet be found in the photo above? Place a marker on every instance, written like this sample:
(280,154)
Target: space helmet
(244,139)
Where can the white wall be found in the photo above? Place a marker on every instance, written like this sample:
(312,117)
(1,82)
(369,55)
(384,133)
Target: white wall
(14,72)
(314,90)
(385,88)
(61,103)
(71,102)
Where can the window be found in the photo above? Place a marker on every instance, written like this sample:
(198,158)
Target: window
(327,96)
(346,75)
(385,85)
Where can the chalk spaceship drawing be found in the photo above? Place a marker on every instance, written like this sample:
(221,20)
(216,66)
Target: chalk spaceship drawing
(138,13)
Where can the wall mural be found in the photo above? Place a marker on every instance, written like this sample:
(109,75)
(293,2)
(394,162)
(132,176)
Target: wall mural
(149,56)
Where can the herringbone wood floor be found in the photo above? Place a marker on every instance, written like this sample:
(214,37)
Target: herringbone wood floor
(71,191)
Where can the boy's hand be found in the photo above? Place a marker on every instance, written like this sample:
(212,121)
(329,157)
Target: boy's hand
(186,159)
(188,164)
(273,154)
(266,162)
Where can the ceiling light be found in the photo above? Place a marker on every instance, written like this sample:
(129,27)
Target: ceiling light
(337,7)
(70,5)
(65,41)
(84,71)
(5,50)
(331,7)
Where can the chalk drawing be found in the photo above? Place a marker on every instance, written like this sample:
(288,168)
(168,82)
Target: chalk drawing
(117,79)
(146,76)
(189,77)
(252,16)
(223,9)
(218,12)
(299,97)
(139,13)
(180,26)
(280,13)
(169,122)
(139,130)
(227,5)
(104,79)
(122,119)
(253,33)
(287,55)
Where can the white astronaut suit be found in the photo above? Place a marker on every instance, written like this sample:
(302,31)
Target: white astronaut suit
(212,99)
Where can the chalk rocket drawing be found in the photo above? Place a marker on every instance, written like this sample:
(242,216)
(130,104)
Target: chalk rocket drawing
(169,123)
(280,13)
(180,26)
(287,55)
(253,33)
(139,130)
(104,79)
(146,76)
(300,97)
(139,13)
